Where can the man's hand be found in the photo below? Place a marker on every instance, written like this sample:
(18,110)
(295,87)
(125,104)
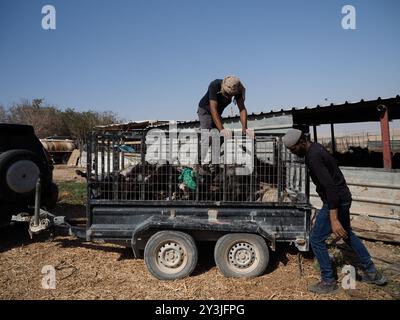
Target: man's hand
(248,132)
(336,226)
(338,229)
(227,133)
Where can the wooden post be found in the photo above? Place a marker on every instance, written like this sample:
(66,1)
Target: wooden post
(385,136)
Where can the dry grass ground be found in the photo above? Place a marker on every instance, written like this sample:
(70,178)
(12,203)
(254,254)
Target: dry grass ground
(107,271)
(62,172)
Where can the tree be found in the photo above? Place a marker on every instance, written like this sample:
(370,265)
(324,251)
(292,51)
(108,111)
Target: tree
(3,115)
(49,120)
(46,120)
(80,124)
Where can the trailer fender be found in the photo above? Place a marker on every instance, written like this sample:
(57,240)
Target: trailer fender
(141,227)
(267,235)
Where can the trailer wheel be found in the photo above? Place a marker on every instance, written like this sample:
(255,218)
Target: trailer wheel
(241,255)
(170,255)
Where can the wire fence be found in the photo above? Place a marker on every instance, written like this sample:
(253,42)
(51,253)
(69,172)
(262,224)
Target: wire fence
(133,168)
(371,141)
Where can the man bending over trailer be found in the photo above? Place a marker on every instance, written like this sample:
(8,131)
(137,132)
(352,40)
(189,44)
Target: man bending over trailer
(334,216)
(217,98)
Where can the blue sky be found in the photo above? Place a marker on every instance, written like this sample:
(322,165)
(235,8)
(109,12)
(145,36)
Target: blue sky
(154,59)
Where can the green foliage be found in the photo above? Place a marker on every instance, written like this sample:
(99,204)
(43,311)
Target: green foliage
(81,123)
(3,114)
(49,120)
(72,192)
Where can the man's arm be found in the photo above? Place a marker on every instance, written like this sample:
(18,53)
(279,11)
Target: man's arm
(243,118)
(317,166)
(215,115)
(243,113)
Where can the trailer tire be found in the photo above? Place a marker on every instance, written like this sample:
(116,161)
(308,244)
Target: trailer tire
(170,255)
(241,255)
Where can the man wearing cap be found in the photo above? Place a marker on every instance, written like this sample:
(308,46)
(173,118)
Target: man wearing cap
(218,96)
(334,216)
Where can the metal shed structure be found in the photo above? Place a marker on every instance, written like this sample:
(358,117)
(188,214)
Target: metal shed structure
(382,110)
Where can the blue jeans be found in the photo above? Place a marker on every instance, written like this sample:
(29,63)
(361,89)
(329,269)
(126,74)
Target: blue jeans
(322,230)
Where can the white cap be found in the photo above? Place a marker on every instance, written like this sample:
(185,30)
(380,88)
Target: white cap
(291,137)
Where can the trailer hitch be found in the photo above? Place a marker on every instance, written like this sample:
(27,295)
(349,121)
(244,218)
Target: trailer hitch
(42,220)
(39,223)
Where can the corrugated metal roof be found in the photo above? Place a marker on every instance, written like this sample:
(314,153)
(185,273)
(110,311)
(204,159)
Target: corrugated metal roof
(347,112)
(336,112)
(392,103)
(131,125)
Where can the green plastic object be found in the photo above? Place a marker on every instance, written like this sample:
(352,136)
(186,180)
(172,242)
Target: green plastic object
(188,177)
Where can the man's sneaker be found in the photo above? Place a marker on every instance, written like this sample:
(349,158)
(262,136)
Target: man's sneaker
(323,287)
(374,278)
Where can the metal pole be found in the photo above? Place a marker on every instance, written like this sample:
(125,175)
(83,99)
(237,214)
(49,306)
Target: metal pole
(385,133)
(37,202)
(198,165)
(333,138)
(170,162)
(315,133)
(279,150)
(143,162)
(89,183)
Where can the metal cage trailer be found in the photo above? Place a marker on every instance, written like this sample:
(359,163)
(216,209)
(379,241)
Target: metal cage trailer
(163,192)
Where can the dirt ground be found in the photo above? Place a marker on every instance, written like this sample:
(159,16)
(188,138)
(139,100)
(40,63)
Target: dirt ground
(106,271)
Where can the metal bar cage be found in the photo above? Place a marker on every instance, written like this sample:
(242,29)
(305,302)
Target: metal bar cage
(177,168)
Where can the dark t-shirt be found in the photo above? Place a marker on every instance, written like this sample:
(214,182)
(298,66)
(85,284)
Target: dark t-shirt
(329,180)
(213,93)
